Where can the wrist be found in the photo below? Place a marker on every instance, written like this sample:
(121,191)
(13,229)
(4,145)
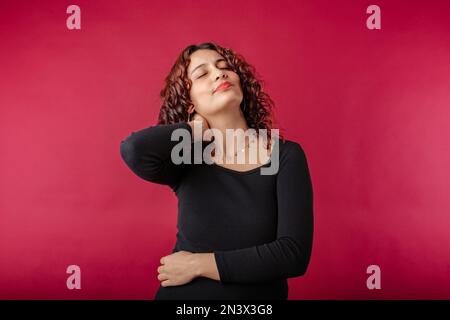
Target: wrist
(205,265)
(198,264)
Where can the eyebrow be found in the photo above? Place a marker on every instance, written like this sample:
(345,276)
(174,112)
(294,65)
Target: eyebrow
(201,65)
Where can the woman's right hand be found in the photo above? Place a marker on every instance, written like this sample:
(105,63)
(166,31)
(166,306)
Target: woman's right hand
(196,120)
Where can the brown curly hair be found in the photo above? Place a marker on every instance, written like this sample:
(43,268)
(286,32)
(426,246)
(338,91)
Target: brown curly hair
(256,105)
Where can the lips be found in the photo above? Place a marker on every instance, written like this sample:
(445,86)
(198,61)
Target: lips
(222,86)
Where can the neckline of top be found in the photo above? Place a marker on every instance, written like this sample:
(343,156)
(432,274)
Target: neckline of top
(241,172)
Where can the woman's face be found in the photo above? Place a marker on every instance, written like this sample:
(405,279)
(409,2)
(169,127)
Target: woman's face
(207,70)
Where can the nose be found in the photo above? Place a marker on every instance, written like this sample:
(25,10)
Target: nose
(221,74)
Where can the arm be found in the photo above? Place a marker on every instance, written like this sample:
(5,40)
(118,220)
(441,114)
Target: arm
(205,266)
(288,256)
(148,153)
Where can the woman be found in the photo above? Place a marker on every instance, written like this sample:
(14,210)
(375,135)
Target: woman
(241,233)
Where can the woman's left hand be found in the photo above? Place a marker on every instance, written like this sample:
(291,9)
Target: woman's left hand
(177,269)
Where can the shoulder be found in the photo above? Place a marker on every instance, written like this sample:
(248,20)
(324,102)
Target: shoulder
(290,148)
(292,156)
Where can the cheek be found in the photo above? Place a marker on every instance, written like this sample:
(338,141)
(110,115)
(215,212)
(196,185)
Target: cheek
(235,78)
(199,93)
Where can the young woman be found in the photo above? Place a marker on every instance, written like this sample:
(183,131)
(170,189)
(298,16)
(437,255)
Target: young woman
(241,233)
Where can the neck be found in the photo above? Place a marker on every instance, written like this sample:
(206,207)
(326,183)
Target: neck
(229,118)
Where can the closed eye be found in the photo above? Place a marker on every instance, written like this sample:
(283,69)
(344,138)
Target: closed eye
(227,68)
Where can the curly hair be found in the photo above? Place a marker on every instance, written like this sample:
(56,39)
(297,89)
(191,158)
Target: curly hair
(256,105)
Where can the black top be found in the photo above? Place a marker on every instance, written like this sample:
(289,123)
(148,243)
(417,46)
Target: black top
(259,227)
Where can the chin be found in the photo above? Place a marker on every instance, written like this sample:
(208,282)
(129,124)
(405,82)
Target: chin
(226,104)
(227,98)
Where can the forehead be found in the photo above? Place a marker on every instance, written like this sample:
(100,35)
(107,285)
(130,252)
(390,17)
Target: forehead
(203,56)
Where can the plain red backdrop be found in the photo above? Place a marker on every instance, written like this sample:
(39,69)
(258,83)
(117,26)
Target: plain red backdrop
(369,107)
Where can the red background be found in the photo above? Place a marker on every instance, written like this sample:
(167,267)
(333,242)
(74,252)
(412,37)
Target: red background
(369,107)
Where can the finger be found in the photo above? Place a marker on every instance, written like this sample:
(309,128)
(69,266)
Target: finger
(160,269)
(165,283)
(162,260)
(162,277)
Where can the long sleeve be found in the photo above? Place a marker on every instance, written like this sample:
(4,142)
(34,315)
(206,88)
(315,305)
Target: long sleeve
(148,154)
(289,255)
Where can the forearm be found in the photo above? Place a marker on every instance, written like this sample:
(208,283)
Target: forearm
(280,259)
(206,266)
